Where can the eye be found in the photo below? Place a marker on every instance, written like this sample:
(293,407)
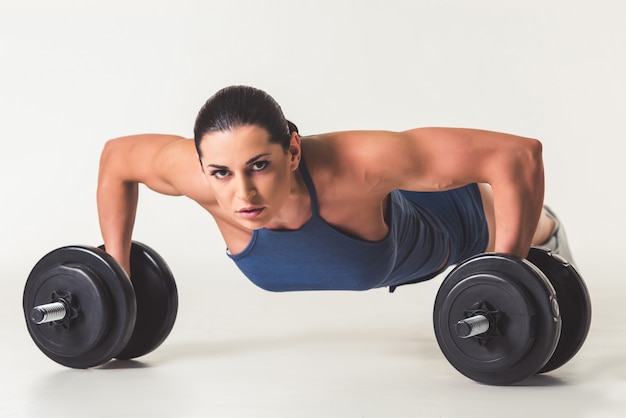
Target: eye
(220,174)
(259,165)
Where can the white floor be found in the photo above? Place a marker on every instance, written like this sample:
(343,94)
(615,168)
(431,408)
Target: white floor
(237,351)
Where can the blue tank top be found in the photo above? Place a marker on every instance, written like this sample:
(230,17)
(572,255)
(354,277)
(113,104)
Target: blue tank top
(423,229)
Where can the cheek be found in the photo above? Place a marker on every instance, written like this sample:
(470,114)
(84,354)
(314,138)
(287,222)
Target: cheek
(222,193)
(274,186)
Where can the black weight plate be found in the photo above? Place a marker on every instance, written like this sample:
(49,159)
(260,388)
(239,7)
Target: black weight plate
(574,303)
(103,299)
(77,336)
(528,324)
(157,301)
(499,353)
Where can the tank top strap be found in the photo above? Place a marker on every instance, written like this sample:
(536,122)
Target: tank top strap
(309,184)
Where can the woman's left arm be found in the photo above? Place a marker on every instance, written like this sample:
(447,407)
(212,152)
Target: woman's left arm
(432,159)
(512,165)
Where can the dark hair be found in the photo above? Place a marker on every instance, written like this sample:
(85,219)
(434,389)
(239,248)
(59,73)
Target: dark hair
(237,106)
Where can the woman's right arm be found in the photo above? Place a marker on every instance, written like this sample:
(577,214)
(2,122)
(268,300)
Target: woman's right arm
(166,164)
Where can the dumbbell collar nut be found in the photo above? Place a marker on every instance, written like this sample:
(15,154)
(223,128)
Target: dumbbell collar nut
(492,314)
(70,305)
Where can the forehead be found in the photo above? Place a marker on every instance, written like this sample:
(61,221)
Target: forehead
(240,142)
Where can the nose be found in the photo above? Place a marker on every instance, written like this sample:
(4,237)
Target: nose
(246,196)
(245,190)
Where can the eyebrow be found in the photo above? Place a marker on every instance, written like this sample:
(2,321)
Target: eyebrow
(250,161)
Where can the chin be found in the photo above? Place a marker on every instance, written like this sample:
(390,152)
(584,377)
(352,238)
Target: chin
(252,223)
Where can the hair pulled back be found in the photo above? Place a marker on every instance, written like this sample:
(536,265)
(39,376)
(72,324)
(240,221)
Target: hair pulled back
(237,106)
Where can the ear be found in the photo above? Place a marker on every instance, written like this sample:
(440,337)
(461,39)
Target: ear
(295,151)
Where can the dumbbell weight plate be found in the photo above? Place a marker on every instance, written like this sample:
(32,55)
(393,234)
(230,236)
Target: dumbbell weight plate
(157,301)
(527,326)
(104,301)
(574,303)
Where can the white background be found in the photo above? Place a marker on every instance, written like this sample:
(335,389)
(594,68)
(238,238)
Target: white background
(76,73)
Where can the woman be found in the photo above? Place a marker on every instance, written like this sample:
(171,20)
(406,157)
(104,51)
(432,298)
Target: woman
(348,210)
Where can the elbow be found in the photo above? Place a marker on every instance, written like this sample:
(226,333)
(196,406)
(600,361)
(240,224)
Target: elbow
(523,153)
(109,160)
(109,150)
(530,162)
(106,156)
(521,161)
(535,148)
(534,154)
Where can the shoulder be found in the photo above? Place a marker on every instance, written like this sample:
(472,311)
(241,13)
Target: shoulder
(178,164)
(356,161)
(363,152)
(348,146)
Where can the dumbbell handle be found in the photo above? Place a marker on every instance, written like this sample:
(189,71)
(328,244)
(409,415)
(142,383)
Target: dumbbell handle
(472,326)
(49,312)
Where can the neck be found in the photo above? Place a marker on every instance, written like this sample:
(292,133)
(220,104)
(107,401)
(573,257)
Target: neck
(297,209)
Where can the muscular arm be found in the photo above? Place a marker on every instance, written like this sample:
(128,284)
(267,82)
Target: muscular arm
(167,164)
(431,159)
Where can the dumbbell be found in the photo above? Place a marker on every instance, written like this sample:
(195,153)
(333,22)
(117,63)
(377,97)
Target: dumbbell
(81,309)
(500,319)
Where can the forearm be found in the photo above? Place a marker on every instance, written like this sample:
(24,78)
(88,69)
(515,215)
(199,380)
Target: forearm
(117,205)
(518,199)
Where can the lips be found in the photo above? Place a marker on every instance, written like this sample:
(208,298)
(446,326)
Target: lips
(250,212)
